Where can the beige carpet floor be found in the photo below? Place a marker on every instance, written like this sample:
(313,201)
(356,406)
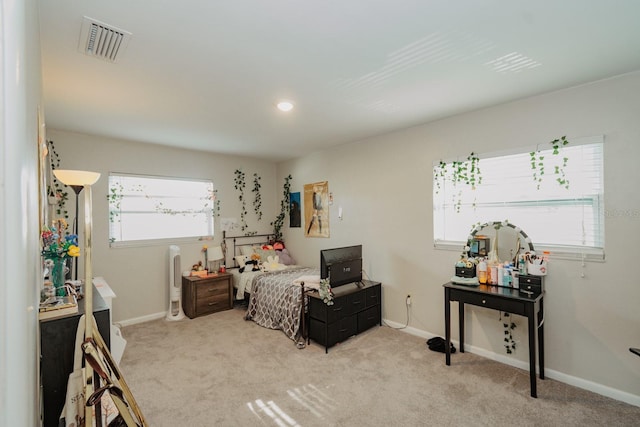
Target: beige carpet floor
(220,370)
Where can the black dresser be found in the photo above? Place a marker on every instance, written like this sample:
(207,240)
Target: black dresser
(355,309)
(57,342)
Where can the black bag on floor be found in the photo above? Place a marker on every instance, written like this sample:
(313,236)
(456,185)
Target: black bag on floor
(438,344)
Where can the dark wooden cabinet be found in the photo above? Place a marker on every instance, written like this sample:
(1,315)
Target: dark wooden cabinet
(206,295)
(355,309)
(57,346)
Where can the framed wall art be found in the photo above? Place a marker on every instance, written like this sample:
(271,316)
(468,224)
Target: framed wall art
(316,209)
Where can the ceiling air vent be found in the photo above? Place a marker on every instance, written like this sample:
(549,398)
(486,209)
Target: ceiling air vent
(101,40)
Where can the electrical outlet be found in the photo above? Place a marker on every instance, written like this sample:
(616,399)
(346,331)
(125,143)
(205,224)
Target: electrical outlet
(408,299)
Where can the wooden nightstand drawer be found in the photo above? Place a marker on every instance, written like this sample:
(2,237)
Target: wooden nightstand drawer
(211,304)
(206,295)
(211,289)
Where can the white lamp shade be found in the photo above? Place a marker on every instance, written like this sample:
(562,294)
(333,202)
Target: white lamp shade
(73,177)
(215,253)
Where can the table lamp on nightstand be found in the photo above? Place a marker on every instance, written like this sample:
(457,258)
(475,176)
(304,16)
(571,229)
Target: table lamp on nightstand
(214,254)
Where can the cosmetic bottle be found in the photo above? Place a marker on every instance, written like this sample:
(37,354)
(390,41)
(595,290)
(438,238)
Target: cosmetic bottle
(507,274)
(522,266)
(482,272)
(493,274)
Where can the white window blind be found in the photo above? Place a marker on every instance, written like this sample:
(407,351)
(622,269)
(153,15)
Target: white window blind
(567,221)
(146,208)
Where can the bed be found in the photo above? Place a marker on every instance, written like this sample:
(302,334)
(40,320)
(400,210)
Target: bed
(274,298)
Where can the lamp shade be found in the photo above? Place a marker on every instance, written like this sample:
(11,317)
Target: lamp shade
(74,177)
(215,253)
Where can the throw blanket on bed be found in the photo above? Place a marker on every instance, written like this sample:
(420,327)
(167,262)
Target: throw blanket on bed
(244,282)
(275,301)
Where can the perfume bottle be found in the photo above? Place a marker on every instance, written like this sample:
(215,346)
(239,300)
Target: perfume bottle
(482,271)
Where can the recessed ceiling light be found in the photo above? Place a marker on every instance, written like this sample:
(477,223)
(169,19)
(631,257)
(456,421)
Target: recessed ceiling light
(285,106)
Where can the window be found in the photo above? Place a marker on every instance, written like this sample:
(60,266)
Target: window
(567,221)
(146,208)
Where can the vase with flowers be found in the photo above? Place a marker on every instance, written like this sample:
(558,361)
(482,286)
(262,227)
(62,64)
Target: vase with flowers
(57,248)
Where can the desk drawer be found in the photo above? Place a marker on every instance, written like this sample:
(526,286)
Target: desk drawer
(490,301)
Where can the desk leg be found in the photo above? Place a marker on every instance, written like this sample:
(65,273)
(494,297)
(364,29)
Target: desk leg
(447,326)
(541,339)
(531,317)
(461,326)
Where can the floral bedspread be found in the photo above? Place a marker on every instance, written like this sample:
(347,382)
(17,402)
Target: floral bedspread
(275,301)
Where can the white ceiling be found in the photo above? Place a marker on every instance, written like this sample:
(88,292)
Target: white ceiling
(206,74)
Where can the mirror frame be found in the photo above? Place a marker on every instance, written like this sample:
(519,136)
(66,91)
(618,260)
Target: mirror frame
(497,225)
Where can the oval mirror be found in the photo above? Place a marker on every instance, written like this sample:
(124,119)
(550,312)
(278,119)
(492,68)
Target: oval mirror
(499,239)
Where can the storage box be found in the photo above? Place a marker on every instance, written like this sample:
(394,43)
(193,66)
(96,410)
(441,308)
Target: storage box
(465,272)
(537,269)
(530,283)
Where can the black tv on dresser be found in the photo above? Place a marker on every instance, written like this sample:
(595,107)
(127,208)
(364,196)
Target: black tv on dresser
(341,265)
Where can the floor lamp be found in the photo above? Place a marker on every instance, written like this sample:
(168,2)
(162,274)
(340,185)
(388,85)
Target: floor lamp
(84,180)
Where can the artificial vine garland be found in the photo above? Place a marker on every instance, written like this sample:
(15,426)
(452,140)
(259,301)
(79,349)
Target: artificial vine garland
(257,198)
(537,163)
(216,203)
(284,208)
(240,185)
(459,172)
(509,326)
(56,194)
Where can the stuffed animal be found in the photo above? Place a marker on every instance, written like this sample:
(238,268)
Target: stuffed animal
(251,265)
(285,258)
(272,264)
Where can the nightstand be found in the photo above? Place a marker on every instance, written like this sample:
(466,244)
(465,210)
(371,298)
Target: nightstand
(206,295)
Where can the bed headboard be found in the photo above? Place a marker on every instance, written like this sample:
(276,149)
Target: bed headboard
(233,245)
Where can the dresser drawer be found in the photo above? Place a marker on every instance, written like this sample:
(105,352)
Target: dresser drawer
(373,296)
(368,318)
(333,333)
(357,302)
(341,307)
(489,301)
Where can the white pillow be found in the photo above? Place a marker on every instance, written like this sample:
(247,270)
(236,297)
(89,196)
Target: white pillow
(241,260)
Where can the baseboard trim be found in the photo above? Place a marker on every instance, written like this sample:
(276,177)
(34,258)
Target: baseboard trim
(141,319)
(601,389)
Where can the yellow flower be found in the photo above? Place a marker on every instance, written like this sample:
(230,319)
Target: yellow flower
(73,251)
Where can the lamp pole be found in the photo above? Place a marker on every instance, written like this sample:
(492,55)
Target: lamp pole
(76,189)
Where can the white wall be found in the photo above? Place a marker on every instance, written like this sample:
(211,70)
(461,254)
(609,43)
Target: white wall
(384,185)
(19,224)
(139,275)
